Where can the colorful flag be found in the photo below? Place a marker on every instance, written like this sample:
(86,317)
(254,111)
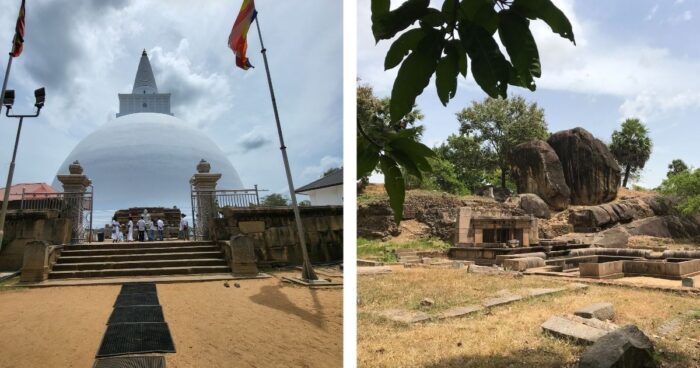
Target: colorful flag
(18,41)
(237,39)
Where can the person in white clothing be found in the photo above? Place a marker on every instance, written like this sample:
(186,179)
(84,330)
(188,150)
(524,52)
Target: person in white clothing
(130,231)
(141,224)
(184,228)
(161,226)
(115,230)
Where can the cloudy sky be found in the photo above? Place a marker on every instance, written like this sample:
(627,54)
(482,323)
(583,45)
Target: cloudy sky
(633,58)
(85,52)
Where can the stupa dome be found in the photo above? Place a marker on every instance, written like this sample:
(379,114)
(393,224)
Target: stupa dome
(143,159)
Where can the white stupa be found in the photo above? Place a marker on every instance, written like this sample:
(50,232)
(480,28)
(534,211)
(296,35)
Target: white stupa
(146,156)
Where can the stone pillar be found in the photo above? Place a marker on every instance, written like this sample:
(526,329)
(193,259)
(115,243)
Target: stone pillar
(204,185)
(74,186)
(478,236)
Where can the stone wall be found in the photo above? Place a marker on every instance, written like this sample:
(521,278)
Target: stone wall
(24,227)
(274,233)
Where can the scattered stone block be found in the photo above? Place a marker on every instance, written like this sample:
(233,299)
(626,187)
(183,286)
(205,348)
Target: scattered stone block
(576,331)
(594,322)
(427,302)
(543,291)
(369,263)
(522,264)
(600,311)
(459,311)
(404,316)
(693,281)
(624,347)
(377,270)
(501,300)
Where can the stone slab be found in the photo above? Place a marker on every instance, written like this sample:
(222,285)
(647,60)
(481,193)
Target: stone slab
(532,292)
(576,331)
(593,322)
(459,311)
(691,281)
(248,227)
(601,311)
(369,263)
(378,270)
(404,316)
(501,300)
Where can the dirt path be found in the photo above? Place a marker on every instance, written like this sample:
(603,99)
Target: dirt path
(262,323)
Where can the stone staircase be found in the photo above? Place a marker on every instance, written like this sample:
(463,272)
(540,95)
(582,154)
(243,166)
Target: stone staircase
(139,259)
(407,256)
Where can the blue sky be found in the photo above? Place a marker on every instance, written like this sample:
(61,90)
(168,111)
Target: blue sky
(632,59)
(85,52)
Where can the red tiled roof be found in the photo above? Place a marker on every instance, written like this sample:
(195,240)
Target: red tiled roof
(31,190)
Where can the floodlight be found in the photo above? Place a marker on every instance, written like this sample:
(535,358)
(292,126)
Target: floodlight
(40,96)
(9,99)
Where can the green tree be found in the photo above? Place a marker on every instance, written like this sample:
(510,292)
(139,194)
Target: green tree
(502,124)
(443,178)
(442,45)
(631,147)
(676,166)
(330,171)
(684,186)
(472,163)
(391,145)
(274,199)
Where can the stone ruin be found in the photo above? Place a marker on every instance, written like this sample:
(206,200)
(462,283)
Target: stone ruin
(511,242)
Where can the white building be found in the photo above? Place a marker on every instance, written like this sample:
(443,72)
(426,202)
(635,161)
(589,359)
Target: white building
(327,191)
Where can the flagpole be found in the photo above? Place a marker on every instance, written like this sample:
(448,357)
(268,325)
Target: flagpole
(4,82)
(307,272)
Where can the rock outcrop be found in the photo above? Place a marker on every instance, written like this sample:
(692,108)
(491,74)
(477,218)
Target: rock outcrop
(590,170)
(531,204)
(537,169)
(625,347)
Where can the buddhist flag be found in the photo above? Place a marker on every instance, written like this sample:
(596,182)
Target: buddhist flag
(237,39)
(18,41)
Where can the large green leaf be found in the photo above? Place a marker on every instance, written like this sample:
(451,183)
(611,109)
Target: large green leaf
(514,32)
(446,74)
(489,67)
(380,6)
(402,46)
(433,18)
(417,152)
(414,74)
(480,12)
(449,11)
(386,25)
(549,13)
(394,185)
(367,158)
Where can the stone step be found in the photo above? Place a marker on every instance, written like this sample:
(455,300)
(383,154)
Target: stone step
(409,259)
(68,252)
(140,272)
(138,257)
(151,244)
(139,264)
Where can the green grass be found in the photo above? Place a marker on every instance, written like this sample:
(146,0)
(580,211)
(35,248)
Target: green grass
(380,250)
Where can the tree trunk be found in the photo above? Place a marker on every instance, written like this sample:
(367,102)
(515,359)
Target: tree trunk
(503,178)
(627,175)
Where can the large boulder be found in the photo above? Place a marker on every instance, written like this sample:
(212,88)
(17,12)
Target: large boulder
(536,169)
(669,226)
(531,204)
(590,170)
(625,347)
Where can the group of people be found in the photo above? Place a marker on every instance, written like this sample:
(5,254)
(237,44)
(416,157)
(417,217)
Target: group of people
(146,229)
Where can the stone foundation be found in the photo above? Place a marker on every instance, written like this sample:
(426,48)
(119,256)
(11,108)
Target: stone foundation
(274,235)
(24,227)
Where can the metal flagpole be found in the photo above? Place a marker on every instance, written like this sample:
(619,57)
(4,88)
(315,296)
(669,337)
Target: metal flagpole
(4,82)
(307,272)
(6,197)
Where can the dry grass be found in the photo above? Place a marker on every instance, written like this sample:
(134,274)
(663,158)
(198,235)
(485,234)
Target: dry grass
(507,336)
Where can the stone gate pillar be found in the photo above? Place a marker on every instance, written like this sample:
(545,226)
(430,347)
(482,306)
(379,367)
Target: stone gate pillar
(204,186)
(74,186)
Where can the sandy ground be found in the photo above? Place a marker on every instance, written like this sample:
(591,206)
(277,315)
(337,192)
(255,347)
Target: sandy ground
(264,323)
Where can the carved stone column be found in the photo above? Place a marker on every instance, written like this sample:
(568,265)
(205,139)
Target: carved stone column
(204,185)
(74,186)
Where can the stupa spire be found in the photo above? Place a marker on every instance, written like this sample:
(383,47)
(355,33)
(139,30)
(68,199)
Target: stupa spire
(145,82)
(144,97)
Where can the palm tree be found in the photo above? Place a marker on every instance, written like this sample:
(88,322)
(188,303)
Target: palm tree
(631,147)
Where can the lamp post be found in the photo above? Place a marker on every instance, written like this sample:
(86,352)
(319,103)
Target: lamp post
(8,100)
